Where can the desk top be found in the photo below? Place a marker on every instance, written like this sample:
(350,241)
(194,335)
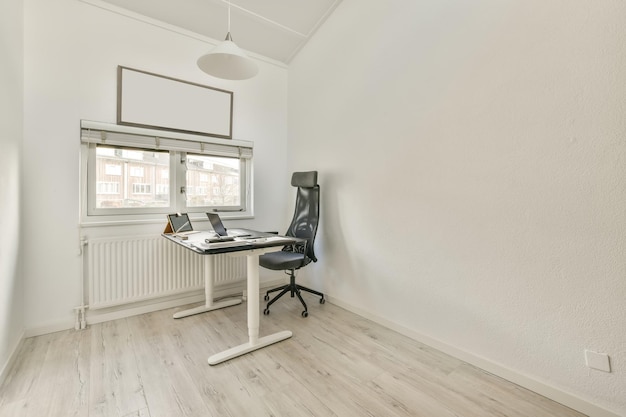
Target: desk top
(196,241)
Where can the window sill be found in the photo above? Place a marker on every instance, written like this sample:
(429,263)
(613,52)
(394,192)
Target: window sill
(105,221)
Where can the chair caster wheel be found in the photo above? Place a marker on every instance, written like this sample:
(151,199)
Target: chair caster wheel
(305,313)
(266,298)
(322,301)
(266,312)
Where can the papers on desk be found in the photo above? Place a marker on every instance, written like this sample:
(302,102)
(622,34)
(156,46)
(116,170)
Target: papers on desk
(217,245)
(270,239)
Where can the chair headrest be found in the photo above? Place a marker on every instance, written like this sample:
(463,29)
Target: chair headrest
(304,179)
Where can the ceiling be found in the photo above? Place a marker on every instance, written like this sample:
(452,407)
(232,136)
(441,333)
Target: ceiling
(273,28)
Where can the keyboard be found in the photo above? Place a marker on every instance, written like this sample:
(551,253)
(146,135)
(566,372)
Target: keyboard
(219,239)
(222,244)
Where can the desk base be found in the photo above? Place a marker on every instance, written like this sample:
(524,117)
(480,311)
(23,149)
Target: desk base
(205,308)
(249,347)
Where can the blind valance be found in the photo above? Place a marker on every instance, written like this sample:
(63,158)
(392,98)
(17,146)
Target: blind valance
(135,137)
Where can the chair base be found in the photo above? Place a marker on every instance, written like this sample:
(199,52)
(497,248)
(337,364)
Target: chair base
(294,289)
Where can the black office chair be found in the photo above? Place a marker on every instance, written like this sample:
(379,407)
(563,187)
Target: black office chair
(303,225)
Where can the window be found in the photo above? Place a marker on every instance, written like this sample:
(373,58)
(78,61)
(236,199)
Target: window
(133,172)
(136,171)
(110,169)
(108,187)
(163,189)
(140,188)
(129,170)
(203,170)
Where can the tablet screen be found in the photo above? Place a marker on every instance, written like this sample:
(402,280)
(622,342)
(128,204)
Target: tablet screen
(180,223)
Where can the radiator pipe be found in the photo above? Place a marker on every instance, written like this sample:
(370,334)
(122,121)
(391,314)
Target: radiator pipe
(80,317)
(76,318)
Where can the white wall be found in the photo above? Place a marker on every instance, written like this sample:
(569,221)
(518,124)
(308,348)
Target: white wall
(11,132)
(72,50)
(472,159)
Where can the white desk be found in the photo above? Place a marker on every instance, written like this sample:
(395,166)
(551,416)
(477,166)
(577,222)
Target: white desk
(252,253)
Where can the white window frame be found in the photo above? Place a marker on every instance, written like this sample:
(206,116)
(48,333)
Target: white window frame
(178,145)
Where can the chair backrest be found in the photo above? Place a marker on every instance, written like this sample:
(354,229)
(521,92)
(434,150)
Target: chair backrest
(307,211)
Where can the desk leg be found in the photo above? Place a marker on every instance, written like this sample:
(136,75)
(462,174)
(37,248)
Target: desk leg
(254,342)
(209,305)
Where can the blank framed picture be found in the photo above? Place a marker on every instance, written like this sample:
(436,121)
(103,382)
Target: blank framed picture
(150,100)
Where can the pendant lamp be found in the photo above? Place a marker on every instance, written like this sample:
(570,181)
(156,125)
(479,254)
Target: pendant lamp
(227,61)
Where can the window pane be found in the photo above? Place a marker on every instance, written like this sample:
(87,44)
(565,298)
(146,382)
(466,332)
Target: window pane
(213,181)
(131,178)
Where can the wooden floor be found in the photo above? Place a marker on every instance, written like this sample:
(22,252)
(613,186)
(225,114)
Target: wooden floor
(336,364)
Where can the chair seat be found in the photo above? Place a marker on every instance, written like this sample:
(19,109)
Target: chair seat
(280,260)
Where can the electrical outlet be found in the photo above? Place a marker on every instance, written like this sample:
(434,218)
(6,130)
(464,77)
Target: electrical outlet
(599,361)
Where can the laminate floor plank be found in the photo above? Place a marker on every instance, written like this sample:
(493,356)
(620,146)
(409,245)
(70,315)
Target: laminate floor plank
(337,390)
(407,400)
(296,401)
(335,364)
(347,358)
(224,388)
(60,388)
(387,345)
(505,398)
(113,363)
(26,370)
(434,383)
(168,388)
(139,413)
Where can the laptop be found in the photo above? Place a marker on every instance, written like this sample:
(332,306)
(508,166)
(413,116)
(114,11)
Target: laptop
(219,228)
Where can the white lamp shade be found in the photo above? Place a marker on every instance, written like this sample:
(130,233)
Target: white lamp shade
(227,61)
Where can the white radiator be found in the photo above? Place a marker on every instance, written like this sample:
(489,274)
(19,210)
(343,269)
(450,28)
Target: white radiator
(130,269)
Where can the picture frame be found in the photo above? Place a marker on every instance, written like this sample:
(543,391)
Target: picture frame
(145,99)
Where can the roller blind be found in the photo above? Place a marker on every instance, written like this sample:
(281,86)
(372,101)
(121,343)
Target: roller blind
(134,137)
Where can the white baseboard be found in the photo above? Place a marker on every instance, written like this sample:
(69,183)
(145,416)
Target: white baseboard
(523,380)
(224,291)
(52,327)
(100,316)
(6,368)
